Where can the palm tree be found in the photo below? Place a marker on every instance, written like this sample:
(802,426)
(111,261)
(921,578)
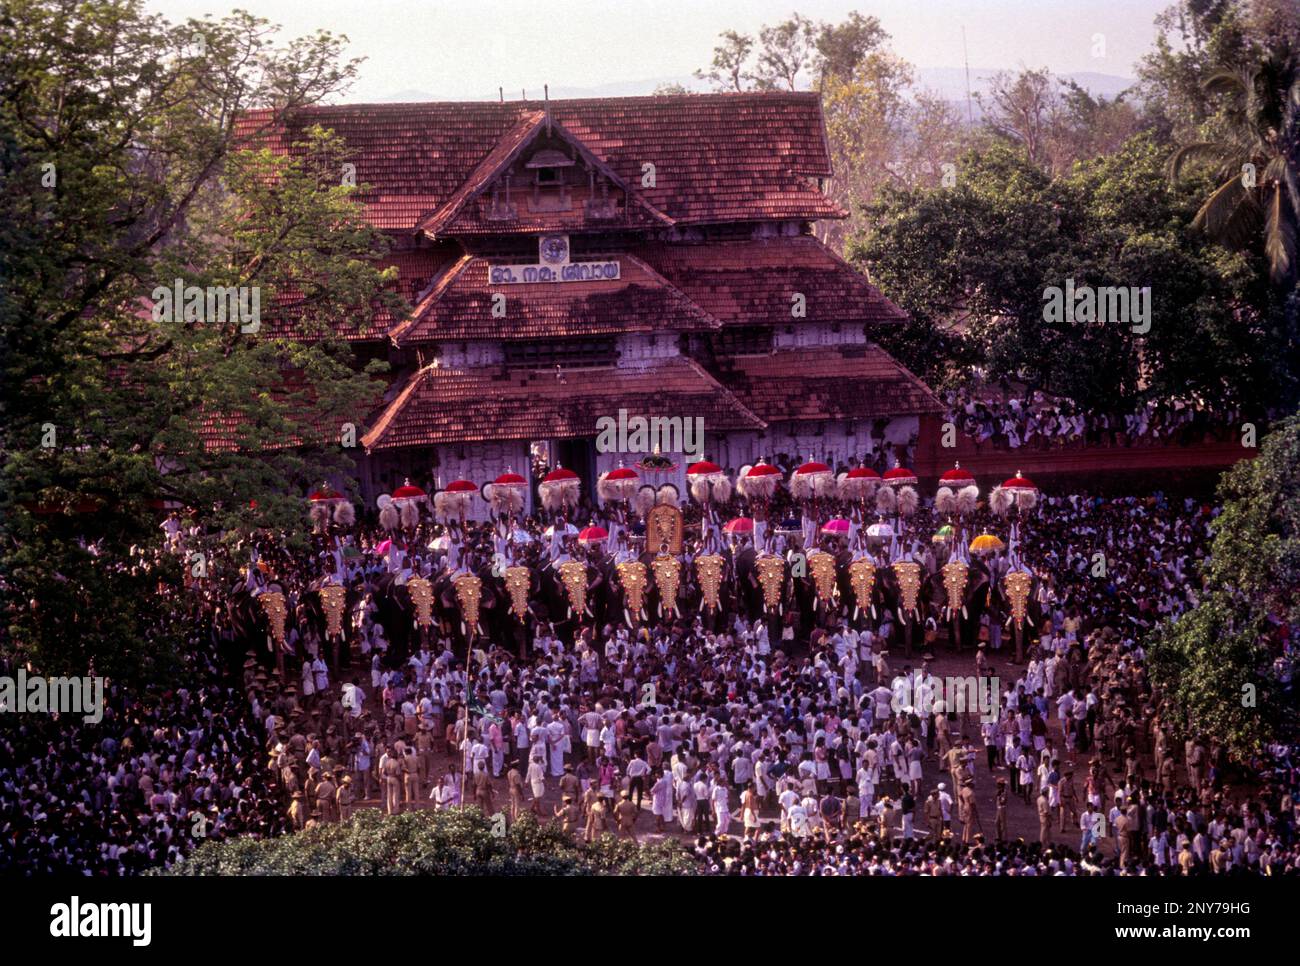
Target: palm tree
(1256,160)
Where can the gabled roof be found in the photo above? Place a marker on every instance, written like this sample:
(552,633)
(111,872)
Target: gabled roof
(442,405)
(716,157)
(459,306)
(752,282)
(827,382)
(500,158)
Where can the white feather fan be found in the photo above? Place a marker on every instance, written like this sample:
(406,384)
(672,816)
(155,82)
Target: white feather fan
(389,518)
(945,500)
(908,500)
(345,514)
(644,499)
(967,499)
(1000,500)
(886,500)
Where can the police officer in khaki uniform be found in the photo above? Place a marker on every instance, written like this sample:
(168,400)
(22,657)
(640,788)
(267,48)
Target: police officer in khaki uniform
(970,813)
(934,816)
(325,802)
(343,798)
(625,815)
(1044,818)
(391,775)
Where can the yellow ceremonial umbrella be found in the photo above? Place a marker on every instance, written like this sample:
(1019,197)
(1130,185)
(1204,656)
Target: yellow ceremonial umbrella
(986,543)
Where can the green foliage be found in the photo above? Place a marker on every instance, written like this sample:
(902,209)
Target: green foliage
(972,263)
(1221,663)
(453,842)
(121,175)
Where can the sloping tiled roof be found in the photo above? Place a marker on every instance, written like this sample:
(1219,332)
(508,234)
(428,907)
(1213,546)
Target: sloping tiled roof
(752,282)
(715,157)
(231,430)
(466,211)
(831,382)
(467,405)
(460,306)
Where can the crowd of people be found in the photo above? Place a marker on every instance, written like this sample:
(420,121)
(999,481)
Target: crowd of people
(765,755)
(1009,417)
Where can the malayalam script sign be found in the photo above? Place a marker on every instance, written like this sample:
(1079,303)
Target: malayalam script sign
(569,272)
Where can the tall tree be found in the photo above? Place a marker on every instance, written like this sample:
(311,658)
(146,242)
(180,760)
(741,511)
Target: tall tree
(1255,158)
(729,70)
(1223,665)
(786,51)
(123,178)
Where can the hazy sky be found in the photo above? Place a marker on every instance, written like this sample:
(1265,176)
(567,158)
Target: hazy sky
(470,48)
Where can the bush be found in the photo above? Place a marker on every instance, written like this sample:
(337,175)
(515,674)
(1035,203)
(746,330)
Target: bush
(458,841)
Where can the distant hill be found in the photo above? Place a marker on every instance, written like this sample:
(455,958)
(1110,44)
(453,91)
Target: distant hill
(948,82)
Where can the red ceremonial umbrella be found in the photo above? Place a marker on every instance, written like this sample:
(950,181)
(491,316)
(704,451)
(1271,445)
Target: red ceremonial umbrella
(593,534)
(899,476)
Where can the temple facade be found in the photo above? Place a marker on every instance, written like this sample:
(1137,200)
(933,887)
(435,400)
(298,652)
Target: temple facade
(614,281)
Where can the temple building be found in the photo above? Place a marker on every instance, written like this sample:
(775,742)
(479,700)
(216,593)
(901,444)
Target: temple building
(648,262)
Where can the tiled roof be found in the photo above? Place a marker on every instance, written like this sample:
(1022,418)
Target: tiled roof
(831,382)
(230,430)
(460,306)
(466,211)
(752,282)
(716,157)
(468,405)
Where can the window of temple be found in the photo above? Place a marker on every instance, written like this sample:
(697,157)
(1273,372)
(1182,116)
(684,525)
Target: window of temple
(567,354)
